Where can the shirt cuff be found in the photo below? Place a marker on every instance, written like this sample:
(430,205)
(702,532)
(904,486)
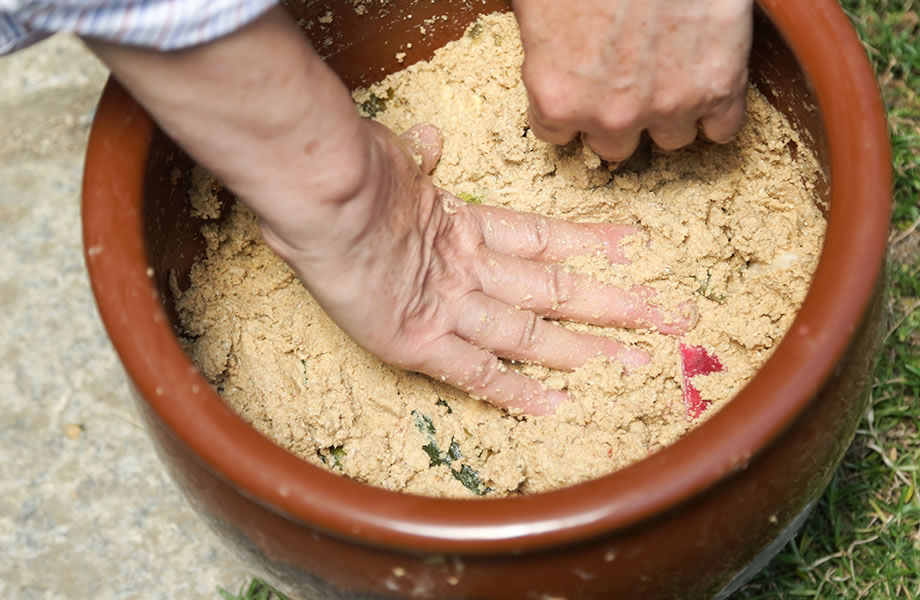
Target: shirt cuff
(157,24)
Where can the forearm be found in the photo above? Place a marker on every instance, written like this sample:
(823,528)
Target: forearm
(258,108)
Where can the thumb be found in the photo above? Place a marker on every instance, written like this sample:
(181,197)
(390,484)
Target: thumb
(424,142)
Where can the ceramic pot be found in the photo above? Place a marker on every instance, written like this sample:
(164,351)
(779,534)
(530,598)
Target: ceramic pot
(691,521)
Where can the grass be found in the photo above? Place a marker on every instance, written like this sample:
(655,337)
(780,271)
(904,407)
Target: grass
(256,590)
(863,539)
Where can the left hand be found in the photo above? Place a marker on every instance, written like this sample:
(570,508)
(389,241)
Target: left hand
(613,68)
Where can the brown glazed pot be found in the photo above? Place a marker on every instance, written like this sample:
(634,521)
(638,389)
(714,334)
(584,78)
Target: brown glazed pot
(691,521)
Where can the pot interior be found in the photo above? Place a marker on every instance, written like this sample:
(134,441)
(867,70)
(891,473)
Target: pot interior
(361,48)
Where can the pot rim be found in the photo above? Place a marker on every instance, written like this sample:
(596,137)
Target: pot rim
(818,32)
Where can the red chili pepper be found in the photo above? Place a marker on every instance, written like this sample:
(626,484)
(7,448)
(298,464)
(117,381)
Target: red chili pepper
(694,360)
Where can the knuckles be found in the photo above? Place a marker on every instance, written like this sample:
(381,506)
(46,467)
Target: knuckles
(527,340)
(621,115)
(672,102)
(551,95)
(722,87)
(447,270)
(559,285)
(481,378)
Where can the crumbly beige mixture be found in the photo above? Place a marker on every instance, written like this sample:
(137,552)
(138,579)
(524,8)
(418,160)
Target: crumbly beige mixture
(731,227)
(202,193)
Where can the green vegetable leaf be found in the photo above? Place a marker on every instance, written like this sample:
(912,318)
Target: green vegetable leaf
(703,290)
(453,451)
(423,422)
(373,105)
(469,198)
(338,455)
(435,459)
(257,590)
(471,481)
(466,475)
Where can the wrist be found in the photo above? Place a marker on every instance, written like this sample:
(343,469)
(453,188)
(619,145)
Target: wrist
(303,197)
(318,157)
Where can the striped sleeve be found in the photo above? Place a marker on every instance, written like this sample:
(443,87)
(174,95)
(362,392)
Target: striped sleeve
(159,24)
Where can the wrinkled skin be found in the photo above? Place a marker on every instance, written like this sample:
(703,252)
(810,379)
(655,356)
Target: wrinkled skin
(443,287)
(411,273)
(613,68)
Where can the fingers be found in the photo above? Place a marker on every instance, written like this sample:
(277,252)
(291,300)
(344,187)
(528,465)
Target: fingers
(424,142)
(522,335)
(615,137)
(675,133)
(535,237)
(724,123)
(549,290)
(614,145)
(546,130)
(480,374)
(556,115)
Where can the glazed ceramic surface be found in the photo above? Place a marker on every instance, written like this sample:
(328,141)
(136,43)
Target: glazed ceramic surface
(685,523)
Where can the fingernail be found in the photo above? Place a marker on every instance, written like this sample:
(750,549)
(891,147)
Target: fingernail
(667,321)
(633,358)
(630,356)
(680,321)
(615,237)
(688,314)
(424,142)
(546,404)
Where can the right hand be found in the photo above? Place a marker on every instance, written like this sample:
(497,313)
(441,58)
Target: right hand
(432,284)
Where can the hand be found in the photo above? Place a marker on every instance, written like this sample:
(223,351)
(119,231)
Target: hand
(429,283)
(612,68)
(413,274)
